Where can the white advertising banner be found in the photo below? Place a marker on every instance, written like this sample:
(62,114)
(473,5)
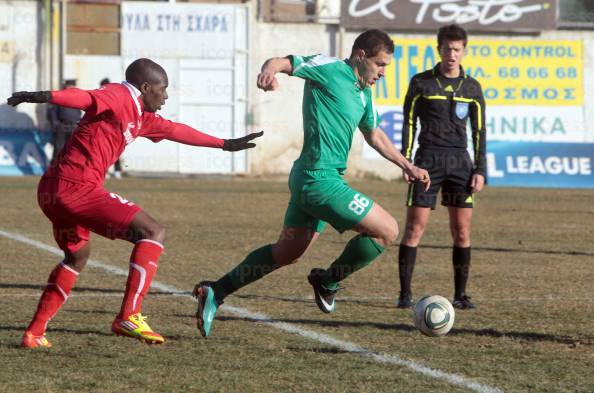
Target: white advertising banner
(536,124)
(204,49)
(178,31)
(521,124)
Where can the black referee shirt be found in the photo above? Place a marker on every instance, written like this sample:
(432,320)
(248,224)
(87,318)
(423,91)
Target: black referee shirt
(443,107)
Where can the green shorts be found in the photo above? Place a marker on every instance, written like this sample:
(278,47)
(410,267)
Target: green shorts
(321,196)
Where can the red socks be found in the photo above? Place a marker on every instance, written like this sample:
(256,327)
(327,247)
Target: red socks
(143,266)
(59,284)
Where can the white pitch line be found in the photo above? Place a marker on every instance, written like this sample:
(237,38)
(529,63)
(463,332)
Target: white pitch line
(453,379)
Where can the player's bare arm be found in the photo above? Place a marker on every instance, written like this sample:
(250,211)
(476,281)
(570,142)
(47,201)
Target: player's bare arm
(267,77)
(378,139)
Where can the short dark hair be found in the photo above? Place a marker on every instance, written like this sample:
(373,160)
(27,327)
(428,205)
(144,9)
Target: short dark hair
(373,41)
(144,70)
(104,81)
(451,33)
(69,82)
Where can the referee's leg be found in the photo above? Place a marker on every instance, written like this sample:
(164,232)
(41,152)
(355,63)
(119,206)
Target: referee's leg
(460,223)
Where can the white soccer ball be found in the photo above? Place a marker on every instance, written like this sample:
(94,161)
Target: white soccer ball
(434,315)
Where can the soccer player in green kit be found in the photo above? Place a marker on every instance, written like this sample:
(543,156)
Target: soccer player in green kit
(336,100)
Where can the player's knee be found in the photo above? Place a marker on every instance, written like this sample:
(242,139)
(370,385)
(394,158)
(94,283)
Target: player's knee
(285,258)
(461,237)
(414,231)
(160,234)
(156,232)
(389,233)
(286,261)
(393,233)
(77,261)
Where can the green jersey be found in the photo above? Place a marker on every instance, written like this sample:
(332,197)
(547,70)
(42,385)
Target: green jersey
(334,105)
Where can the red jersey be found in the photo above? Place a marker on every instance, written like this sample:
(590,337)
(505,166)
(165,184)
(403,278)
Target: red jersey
(114,117)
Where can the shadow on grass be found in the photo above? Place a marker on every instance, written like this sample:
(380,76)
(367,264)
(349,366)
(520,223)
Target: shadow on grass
(330,350)
(528,337)
(366,303)
(325,323)
(276,298)
(94,312)
(21,329)
(500,249)
(76,290)
(518,250)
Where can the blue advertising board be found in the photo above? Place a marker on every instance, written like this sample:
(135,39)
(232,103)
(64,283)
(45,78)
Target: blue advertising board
(537,164)
(391,123)
(22,152)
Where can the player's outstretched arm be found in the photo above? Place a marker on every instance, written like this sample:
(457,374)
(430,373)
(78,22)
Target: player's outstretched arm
(71,98)
(156,128)
(267,77)
(382,144)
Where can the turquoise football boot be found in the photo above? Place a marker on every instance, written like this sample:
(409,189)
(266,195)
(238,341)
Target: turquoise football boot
(207,307)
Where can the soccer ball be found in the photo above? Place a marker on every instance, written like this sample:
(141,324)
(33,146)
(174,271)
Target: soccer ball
(434,315)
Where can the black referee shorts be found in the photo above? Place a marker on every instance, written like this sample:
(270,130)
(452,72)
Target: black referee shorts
(451,171)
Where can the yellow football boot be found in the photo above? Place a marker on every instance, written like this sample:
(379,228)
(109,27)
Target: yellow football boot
(32,341)
(135,326)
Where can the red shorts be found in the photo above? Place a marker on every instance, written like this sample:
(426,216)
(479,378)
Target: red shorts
(76,209)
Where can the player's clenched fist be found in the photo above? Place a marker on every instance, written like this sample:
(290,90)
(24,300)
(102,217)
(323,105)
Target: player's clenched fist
(417,174)
(267,81)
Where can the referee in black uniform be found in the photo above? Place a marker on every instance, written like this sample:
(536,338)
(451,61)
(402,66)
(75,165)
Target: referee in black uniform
(444,99)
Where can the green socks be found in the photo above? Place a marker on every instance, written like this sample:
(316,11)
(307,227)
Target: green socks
(255,266)
(359,252)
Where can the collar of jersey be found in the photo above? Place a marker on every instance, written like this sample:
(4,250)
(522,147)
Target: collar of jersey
(135,94)
(352,73)
(436,71)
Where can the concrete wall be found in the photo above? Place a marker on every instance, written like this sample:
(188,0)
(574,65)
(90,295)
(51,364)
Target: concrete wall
(89,70)
(20,59)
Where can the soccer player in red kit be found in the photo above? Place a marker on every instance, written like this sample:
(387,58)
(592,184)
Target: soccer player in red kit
(71,192)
